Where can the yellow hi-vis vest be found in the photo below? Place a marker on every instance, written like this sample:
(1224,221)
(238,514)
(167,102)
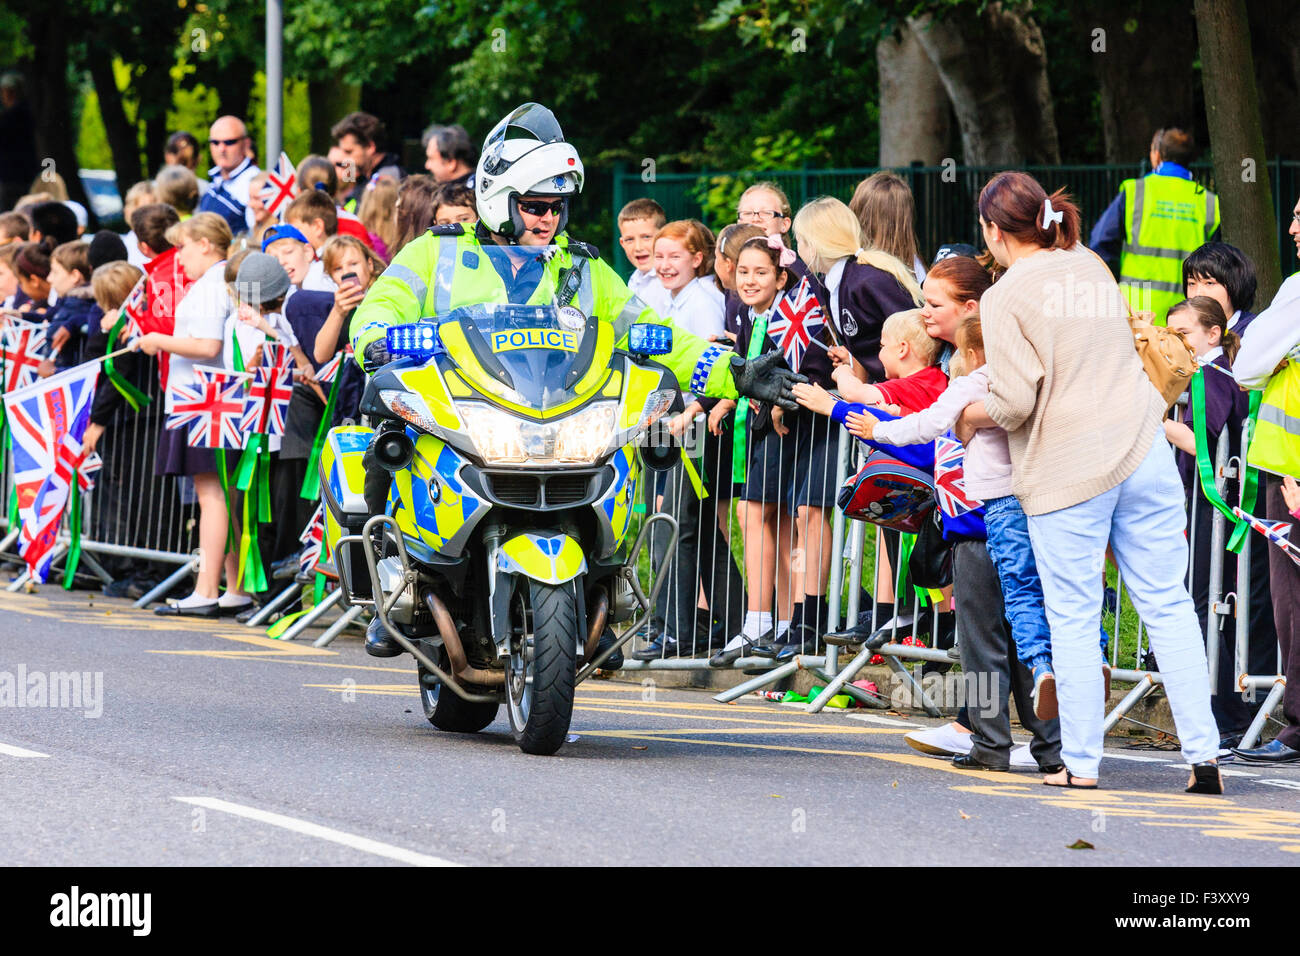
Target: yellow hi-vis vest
(1167,219)
(1275,445)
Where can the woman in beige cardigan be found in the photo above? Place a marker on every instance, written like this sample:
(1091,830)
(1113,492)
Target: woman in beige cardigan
(1090,466)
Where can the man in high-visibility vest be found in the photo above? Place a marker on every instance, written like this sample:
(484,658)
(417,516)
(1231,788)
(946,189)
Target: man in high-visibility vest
(526,176)
(1270,359)
(1155,223)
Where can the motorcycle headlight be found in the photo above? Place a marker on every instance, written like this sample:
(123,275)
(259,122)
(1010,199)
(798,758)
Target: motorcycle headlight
(409,406)
(503,438)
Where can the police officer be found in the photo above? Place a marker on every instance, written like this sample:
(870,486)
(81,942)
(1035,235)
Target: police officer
(1155,223)
(526,176)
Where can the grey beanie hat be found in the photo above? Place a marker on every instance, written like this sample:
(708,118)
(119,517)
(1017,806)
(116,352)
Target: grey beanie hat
(260,279)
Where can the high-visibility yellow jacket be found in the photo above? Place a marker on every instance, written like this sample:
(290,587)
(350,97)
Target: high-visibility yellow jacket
(1166,219)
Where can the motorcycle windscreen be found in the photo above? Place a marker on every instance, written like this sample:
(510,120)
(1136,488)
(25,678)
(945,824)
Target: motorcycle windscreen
(540,354)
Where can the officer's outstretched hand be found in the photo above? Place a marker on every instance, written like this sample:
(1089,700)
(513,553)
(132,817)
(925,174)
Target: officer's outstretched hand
(375,356)
(765,379)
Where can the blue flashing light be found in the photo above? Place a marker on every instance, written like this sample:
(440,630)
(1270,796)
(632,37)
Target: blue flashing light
(419,340)
(647,338)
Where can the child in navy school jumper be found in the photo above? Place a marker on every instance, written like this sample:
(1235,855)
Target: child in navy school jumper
(71,315)
(1203,322)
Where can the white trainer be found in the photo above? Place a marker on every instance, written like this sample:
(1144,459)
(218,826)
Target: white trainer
(945,741)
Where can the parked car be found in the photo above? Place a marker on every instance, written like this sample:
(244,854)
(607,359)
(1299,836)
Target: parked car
(105,200)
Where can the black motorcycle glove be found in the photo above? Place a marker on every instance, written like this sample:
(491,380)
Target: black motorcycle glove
(375,356)
(765,379)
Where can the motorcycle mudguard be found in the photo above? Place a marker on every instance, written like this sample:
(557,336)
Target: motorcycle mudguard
(548,558)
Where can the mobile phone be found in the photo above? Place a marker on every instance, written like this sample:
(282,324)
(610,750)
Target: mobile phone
(349,277)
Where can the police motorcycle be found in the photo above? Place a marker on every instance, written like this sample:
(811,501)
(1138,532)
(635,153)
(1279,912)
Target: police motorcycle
(516,435)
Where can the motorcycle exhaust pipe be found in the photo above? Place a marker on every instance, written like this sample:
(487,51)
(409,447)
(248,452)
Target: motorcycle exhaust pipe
(393,450)
(460,667)
(598,618)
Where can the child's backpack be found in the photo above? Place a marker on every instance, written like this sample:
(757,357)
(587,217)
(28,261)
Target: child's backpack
(888,492)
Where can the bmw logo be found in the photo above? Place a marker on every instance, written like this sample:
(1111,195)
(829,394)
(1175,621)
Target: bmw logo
(435,490)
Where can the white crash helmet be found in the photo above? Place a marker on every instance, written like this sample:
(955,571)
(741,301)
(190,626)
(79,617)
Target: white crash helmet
(525,154)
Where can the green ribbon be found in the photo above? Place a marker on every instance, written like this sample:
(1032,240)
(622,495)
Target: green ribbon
(134,397)
(13,485)
(74,531)
(1250,486)
(1205,470)
(739,456)
(311,481)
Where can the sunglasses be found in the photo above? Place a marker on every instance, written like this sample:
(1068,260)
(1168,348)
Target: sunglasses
(226,142)
(536,207)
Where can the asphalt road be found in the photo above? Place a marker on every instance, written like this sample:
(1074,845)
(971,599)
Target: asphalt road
(218,746)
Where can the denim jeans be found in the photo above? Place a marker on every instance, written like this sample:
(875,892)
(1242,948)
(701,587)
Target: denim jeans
(1143,519)
(1022,589)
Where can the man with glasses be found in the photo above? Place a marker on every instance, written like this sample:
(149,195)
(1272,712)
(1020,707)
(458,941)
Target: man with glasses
(229,179)
(526,177)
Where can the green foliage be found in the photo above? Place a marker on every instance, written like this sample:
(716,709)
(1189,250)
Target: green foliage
(718,196)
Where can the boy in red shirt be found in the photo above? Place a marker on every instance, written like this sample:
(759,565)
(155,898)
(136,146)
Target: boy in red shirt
(913,381)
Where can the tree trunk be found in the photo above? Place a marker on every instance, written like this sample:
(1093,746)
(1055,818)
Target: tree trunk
(330,101)
(915,116)
(1128,57)
(993,64)
(1237,137)
(123,136)
(52,100)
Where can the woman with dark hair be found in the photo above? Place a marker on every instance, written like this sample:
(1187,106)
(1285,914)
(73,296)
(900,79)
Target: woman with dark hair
(182,149)
(416,206)
(1087,472)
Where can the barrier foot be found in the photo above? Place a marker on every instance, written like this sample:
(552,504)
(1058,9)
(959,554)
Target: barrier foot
(840,679)
(312,616)
(1251,737)
(270,607)
(166,585)
(338,627)
(97,568)
(762,680)
(1145,686)
(918,692)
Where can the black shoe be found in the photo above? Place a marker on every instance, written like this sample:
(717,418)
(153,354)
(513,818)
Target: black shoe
(285,568)
(200,610)
(378,642)
(967,762)
(236,610)
(663,647)
(746,648)
(853,636)
(795,641)
(616,659)
(1273,752)
(118,589)
(247,614)
(1051,768)
(898,627)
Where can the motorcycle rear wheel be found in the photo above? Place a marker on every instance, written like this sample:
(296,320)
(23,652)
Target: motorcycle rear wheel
(540,674)
(446,710)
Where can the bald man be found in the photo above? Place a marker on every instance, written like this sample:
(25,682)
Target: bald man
(227,195)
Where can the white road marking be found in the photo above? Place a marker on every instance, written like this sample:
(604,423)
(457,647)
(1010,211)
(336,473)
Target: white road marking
(1138,758)
(9,750)
(887,721)
(1284,784)
(361,843)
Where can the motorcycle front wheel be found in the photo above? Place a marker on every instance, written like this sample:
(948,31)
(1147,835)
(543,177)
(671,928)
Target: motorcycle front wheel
(540,675)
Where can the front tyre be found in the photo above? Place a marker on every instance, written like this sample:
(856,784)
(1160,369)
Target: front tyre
(540,675)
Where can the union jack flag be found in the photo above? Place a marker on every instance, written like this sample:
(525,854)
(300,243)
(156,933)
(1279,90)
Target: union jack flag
(325,374)
(267,401)
(21,348)
(281,186)
(1279,532)
(949,478)
(212,407)
(798,318)
(48,420)
(313,539)
(135,306)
